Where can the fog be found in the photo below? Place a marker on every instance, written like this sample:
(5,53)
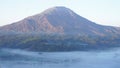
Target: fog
(15,58)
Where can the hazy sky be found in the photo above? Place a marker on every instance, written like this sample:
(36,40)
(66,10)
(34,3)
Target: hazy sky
(105,12)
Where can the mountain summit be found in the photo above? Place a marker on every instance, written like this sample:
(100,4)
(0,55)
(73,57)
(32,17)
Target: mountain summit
(60,20)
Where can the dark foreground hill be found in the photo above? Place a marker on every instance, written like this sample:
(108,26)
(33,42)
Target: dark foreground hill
(58,43)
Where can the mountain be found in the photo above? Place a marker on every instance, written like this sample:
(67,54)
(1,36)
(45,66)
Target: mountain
(60,20)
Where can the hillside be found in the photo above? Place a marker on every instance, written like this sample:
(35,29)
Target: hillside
(60,20)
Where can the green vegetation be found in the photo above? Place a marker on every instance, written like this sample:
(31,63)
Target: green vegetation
(57,42)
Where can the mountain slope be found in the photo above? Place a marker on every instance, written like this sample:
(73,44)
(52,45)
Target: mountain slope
(60,20)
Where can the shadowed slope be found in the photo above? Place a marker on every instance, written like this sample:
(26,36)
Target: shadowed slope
(60,20)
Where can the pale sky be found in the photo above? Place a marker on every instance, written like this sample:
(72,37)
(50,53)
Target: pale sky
(105,12)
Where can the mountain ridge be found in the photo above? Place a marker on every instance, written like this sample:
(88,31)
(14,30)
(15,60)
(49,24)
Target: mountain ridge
(60,20)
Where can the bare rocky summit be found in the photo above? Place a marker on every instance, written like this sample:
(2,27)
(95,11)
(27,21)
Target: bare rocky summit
(60,20)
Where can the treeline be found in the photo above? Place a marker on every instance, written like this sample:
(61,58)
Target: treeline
(38,42)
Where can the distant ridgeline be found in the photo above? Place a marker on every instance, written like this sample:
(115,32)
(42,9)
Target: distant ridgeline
(58,42)
(58,29)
